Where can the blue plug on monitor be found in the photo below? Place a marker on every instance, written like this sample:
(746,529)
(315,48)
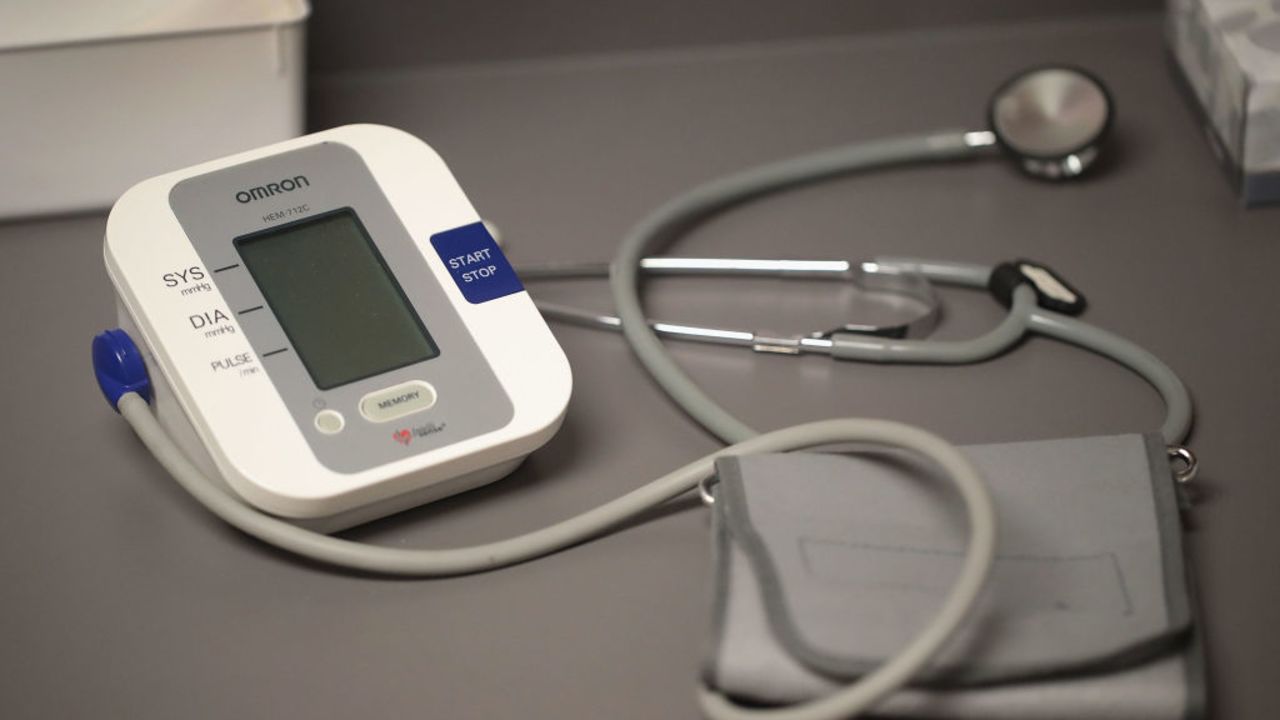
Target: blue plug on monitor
(118,365)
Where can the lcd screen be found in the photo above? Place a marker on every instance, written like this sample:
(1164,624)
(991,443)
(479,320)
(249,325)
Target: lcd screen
(335,298)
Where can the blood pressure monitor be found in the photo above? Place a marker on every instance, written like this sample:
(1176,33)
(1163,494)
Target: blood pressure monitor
(330,329)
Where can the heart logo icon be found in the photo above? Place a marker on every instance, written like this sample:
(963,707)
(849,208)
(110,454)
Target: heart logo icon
(402,436)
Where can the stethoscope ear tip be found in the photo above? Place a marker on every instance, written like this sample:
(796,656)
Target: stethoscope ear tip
(1052,120)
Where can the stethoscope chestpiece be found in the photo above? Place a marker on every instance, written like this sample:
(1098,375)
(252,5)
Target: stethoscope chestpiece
(1052,120)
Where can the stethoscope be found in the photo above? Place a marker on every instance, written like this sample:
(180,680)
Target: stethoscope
(1049,120)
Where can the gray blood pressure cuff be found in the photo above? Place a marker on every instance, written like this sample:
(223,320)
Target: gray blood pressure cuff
(827,564)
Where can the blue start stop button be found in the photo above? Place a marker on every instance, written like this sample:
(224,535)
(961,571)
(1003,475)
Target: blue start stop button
(476,263)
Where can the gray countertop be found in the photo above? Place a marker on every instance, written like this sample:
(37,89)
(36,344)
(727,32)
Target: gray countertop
(122,598)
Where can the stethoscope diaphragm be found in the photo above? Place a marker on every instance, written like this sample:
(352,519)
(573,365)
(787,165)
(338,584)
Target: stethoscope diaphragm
(1052,120)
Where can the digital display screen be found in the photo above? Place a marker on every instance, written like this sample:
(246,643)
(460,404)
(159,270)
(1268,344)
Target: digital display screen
(331,291)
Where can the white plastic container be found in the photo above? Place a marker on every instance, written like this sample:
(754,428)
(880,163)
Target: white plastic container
(99,95)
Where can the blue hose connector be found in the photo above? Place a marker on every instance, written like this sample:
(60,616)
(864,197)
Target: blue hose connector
(118,365)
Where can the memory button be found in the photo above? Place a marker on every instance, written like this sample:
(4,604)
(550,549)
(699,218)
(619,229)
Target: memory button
(397,401)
